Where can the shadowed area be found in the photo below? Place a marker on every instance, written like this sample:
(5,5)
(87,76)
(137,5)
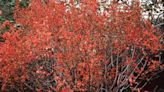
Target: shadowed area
(156,84)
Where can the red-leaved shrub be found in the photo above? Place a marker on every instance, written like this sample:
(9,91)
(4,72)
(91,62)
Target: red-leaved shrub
(90,51)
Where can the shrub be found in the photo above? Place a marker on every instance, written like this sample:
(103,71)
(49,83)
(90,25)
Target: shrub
(93,52)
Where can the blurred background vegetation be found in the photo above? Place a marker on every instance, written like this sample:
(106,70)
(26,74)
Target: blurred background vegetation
(6,7)
(6,11)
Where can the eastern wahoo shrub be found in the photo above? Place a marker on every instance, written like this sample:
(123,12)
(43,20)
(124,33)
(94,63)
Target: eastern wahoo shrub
(64,48)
